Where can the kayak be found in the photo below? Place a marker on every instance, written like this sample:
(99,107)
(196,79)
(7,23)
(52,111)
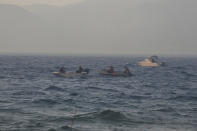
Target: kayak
(118,74)
(70,74)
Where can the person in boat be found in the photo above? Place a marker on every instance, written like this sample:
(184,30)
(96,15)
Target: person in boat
(80,70)
(127,71)
(111,69)
(62,70)
(152,60)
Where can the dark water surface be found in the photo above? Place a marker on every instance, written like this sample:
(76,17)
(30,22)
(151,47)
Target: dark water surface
(154,99)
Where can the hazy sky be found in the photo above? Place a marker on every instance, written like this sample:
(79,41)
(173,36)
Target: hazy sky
(60,2)
(167,27)
(49,2)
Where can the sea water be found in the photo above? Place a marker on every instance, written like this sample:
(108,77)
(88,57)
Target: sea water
(153,99)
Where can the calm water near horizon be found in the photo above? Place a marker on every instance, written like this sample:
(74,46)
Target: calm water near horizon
(154,99)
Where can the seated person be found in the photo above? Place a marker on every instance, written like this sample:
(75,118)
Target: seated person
(111,69)
(62,70)
(152,60)
(127,71)
(80,70)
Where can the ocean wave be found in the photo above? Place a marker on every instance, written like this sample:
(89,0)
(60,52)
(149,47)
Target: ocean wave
(45,101)
(182,98)
(11,110)
(52,129)
(111,115)
(68,128)
(178,68)
(189,74)
(74,94)
(167,110)
(69,101)
(28,93)
(102,89)
(106,115)
(53,88)
(138,97)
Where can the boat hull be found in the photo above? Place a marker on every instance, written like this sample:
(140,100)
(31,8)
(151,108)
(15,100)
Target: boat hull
(148,64)
(70,74)
(115,74)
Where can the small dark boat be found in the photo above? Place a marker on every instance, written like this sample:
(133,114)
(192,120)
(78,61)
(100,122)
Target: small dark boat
(116,73)
(70,74)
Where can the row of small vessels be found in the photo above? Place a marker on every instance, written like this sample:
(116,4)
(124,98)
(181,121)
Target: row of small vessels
(83,74)
(151,61)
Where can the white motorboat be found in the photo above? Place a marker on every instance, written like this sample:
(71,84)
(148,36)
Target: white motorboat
(151,61)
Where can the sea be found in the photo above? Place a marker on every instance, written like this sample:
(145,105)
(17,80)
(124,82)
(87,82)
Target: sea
(153,99)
